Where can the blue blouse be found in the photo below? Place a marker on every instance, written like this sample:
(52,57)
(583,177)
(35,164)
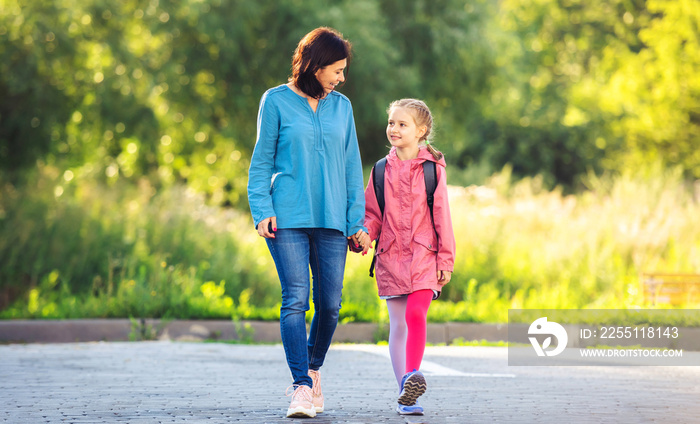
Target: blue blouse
(306,168)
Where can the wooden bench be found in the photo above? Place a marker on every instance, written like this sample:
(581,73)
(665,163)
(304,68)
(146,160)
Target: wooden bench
(671,289)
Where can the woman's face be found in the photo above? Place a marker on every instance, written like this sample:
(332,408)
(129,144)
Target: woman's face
(332,75)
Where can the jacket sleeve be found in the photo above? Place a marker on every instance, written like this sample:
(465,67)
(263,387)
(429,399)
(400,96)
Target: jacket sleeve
(443,224)
(353,180)
(373,216)
(262,162)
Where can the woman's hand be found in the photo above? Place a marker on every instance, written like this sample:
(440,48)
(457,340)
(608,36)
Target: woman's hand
(267,226)
(444,277)
(361,239)
(365,242)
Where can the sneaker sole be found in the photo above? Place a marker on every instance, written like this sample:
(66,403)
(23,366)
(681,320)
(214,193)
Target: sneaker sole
(318,409)
(300,412)
(400,412)
(413,388)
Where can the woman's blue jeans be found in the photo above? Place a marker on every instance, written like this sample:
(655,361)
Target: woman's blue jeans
(294,251)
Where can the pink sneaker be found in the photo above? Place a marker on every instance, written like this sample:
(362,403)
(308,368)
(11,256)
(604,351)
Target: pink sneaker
(317,399)
(302,405)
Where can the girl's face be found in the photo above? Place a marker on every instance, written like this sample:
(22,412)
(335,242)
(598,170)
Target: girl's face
(332,75)
(402,130)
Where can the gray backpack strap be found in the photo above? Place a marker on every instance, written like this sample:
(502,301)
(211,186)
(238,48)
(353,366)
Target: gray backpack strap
(378,178)
(378,182)
(430,175)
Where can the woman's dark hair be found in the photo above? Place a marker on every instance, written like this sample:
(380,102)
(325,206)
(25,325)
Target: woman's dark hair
(318,49)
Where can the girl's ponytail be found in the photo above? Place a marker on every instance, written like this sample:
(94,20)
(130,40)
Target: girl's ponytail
(433,151)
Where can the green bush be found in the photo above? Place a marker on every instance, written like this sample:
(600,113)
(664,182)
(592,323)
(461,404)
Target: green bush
(89,250)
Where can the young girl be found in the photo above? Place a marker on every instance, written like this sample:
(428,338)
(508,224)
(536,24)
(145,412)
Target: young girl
(414,253)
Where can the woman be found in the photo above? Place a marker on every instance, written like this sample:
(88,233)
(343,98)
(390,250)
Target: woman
(305,190)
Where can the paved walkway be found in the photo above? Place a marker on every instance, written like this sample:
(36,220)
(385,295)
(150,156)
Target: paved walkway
(174,382)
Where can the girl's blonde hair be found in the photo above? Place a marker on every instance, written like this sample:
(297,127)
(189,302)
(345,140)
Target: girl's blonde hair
(422,116)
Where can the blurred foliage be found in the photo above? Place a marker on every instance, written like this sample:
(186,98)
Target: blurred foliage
(169,89)
(122,122)
(82,251)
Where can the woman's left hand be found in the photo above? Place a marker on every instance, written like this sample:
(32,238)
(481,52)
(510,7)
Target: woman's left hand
(444,277)
(361,239)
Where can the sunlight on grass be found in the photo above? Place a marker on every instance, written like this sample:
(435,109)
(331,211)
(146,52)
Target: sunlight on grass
(121,252)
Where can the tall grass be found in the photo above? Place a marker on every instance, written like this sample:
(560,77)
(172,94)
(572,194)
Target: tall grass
(86,250)
(520,246)
(525,247)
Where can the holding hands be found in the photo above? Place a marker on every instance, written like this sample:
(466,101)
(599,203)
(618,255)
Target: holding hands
(361,240)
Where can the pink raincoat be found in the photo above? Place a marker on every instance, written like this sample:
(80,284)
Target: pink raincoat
(409,253)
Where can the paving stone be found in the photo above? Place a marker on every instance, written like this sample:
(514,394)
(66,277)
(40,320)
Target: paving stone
(176,382)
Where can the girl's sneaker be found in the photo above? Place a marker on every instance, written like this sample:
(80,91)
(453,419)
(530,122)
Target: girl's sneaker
(413,385)
(415,409)
(317,398)
(301,405)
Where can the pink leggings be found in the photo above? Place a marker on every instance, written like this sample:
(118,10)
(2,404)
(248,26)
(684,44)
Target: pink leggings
(408,331)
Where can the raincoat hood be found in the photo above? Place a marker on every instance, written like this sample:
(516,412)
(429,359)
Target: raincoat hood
(423,155)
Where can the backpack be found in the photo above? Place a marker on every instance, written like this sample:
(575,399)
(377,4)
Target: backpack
(430,176)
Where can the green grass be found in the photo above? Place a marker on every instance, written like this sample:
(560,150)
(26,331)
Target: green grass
(89,250)
(122,251)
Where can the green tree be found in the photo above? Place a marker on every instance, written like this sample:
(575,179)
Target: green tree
(653,100)
(602,85)
(169,89)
